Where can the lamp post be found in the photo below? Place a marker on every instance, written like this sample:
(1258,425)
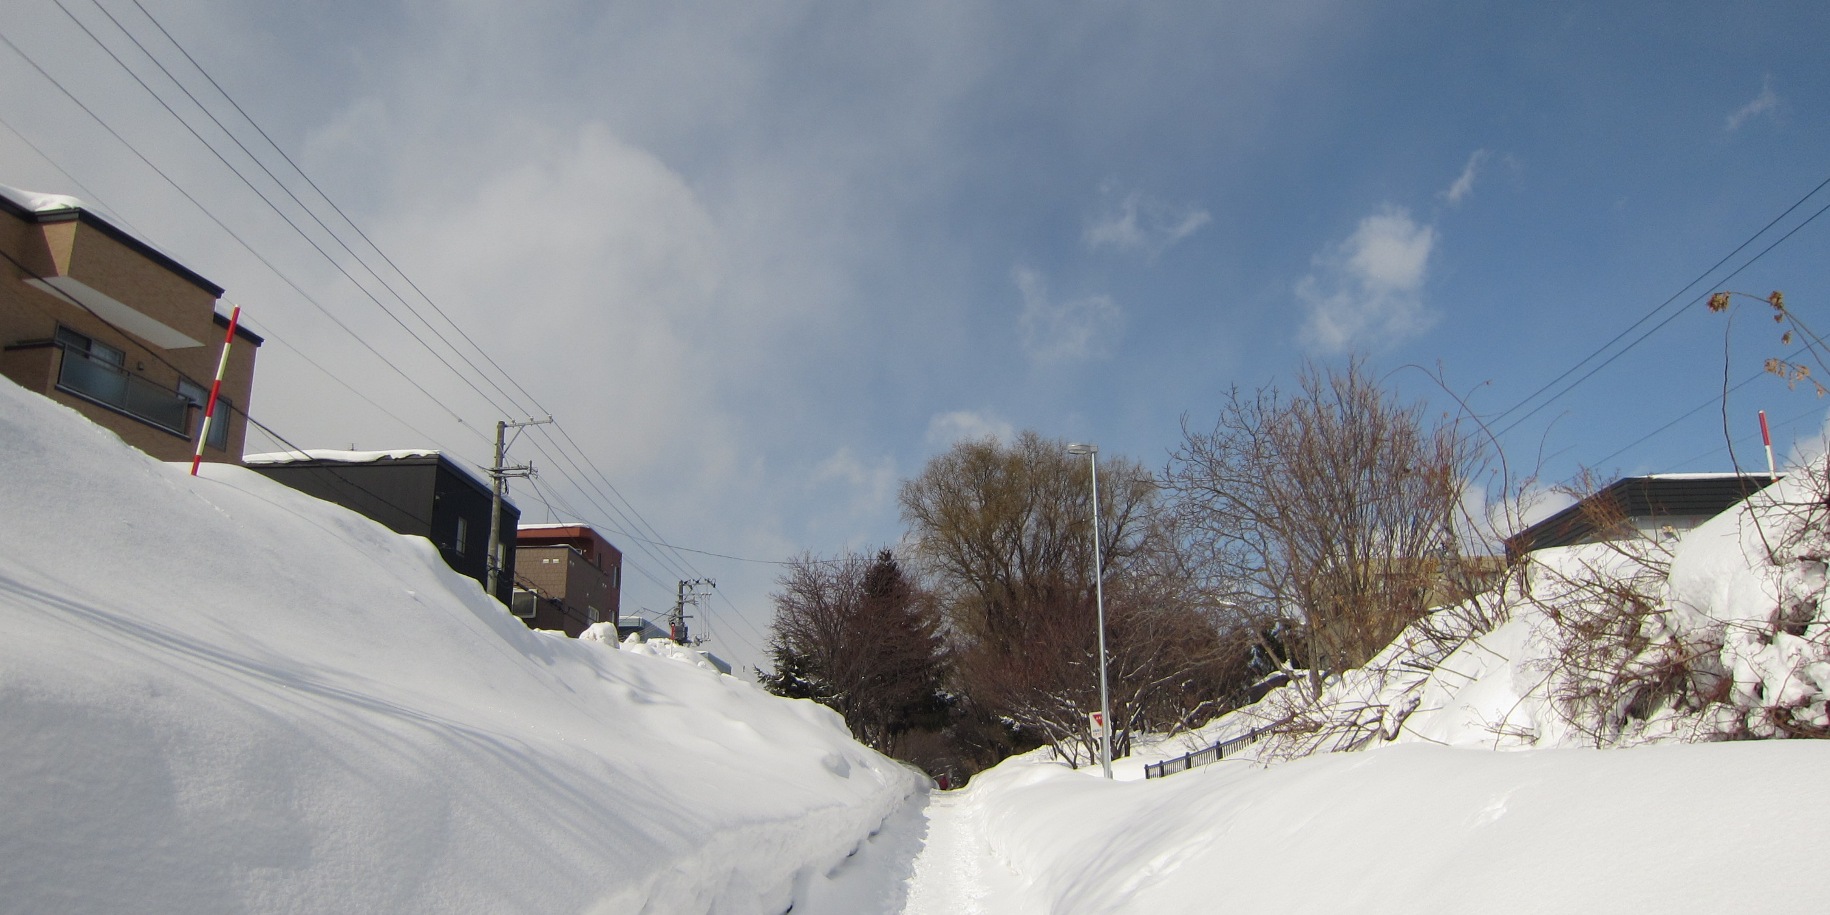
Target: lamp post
(1099,599)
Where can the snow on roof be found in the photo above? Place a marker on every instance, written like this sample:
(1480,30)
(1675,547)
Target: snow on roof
(35,202)
(559,525)
(342,457)
(1724,475)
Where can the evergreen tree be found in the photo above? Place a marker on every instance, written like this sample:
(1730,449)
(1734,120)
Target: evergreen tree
(854,634)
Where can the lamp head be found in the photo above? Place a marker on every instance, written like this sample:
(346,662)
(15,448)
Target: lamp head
(1082,448)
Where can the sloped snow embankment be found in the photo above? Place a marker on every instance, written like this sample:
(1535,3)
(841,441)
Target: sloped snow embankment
(1405,829)
(1593,648)
(218,695)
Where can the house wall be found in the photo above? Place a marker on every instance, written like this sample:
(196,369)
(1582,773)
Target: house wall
(457,495)
(424,497)
(562,572)
(86,250)
(395,494)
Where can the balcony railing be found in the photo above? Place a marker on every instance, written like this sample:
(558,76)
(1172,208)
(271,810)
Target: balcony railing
(119,389)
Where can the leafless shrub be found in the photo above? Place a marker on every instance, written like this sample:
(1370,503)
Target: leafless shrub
(1326,520)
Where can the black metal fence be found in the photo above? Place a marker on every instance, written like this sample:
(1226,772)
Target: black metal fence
(1202,757)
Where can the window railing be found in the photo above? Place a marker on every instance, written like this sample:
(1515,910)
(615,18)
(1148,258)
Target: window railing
(122,390)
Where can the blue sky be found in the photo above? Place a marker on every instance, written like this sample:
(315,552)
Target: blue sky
(763,260)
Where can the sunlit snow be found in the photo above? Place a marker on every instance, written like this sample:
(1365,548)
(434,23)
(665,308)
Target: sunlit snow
(219,695)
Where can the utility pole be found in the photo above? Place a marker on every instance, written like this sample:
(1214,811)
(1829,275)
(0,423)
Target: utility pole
(676,621)
(498,478)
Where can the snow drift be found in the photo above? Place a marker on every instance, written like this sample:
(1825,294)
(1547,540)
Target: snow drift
(1624,684)
(1418,828)
(1723,636)
(219,695)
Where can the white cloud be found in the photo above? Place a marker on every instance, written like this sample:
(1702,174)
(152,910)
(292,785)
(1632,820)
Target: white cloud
(967,426)
(1464,185)
(871,484)
(1807,450)
(1764,103)
(1077,329)
(1368,290)
(621,277)
(1142,224)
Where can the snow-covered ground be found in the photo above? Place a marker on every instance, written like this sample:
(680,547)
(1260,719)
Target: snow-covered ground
(217,695)
(1427,816)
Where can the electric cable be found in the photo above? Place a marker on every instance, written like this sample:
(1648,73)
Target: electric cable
(334,262)
(232,233)
(1660,307)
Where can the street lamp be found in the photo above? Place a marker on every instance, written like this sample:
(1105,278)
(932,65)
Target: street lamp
(1099,598)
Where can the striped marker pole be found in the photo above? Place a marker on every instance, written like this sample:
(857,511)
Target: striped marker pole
(1766,438)
(222,365)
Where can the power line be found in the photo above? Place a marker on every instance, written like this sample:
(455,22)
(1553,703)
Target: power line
(230,232)
(638,521)
(566,446)
(275,207)
(572,513)
(338,210)
(1654,312)
(1736,272)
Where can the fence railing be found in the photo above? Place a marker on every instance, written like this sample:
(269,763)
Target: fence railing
(1202,757)
(113,386)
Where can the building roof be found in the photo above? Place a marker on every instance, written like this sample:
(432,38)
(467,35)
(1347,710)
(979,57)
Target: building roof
(324,456)
(241,330)
(34,206)
(538,535)
(1671,495)
(327,455)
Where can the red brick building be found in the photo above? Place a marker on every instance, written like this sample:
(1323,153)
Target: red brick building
(566,577)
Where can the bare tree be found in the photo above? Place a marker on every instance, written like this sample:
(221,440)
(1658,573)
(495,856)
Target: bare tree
(855,634)
(1005,534)
(1323,521)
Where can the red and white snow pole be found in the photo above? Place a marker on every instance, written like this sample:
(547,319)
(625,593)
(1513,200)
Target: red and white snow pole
(1766,438)
(222,366)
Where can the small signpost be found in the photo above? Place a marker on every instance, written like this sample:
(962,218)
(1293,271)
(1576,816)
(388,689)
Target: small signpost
(1097,722)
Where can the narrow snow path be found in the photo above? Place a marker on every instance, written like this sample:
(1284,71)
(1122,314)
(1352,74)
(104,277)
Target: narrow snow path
(930,858)
(955,874)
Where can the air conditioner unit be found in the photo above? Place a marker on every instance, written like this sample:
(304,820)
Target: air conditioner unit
(525,604)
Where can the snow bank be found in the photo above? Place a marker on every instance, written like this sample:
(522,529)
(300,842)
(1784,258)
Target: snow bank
(1406,829)
(1725,637)
(220,695)
(1675,656)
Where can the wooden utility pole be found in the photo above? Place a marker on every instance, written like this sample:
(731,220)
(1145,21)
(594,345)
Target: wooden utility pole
(498,477)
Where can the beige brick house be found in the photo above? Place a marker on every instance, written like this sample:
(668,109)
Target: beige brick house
(100,321)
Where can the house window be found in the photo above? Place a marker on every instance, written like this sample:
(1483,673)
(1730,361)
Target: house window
(194,392)
(219,426)
(199,396)
(94,349)
(463,535)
